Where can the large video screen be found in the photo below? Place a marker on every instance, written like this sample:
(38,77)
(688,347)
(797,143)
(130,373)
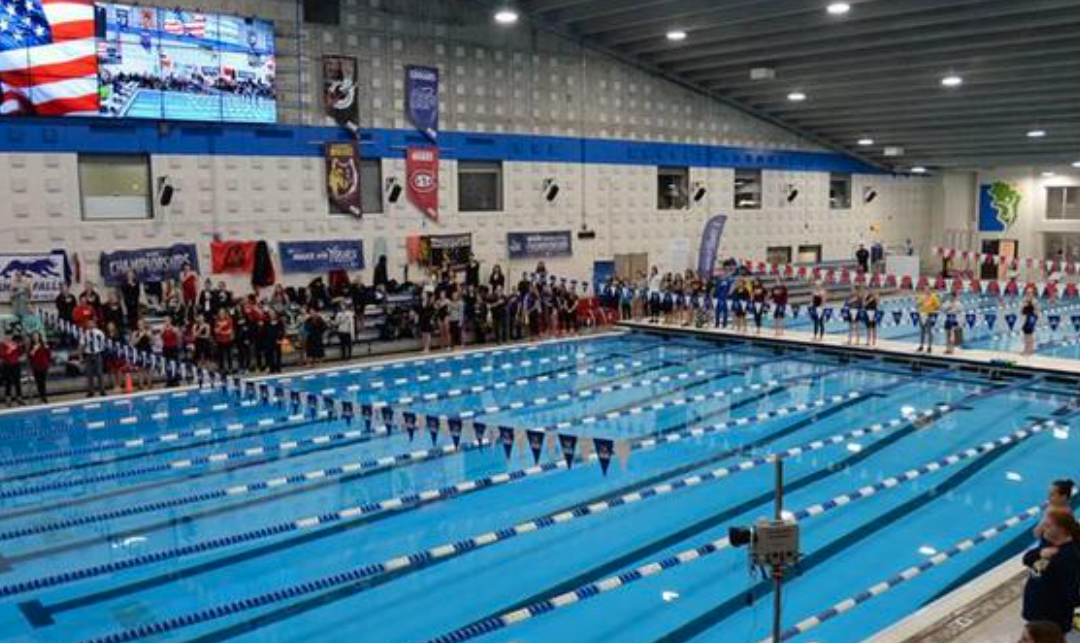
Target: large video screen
(78,58)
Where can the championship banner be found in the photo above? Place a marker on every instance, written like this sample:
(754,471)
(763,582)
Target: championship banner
(340,94)
(232,257)
(44,272)
(321,256)
(710,244)
(343,178)
(539,245)
(422,99)
(422,171)
(148,264)
(454,249)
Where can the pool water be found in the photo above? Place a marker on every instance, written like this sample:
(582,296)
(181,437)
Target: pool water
(191,516)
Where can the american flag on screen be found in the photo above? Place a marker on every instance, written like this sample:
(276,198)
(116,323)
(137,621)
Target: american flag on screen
(176,25)
(48,58)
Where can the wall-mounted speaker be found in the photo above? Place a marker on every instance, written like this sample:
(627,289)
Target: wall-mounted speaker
(165,191)
(393,190)
(792,193)
(869,194)
(699,192)
(551,190)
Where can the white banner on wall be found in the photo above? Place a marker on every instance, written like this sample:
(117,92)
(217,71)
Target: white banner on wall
(44,272)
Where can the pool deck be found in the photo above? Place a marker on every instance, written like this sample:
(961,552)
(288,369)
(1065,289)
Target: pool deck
(986,610)
(966,357)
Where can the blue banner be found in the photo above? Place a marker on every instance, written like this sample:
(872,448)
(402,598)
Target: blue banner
(148,264)
(422,99)
(710,244)
(321,256)
(541,245)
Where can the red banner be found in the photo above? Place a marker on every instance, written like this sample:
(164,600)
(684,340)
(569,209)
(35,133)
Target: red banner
(232,257)
(422,170)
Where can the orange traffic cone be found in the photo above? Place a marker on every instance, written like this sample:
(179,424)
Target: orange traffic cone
(128,387)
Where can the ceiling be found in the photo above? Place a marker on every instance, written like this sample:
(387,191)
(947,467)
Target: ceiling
(874,72)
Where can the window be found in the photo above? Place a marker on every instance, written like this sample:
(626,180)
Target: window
(747,189)
(322,12)
(778,254)
(115,187)
(1063,203)
(480,186)
(810,254)
(371,188)
(840,191)
(673,188)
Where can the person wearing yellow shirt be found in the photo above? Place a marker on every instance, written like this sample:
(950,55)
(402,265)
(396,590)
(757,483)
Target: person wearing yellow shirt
(928,304)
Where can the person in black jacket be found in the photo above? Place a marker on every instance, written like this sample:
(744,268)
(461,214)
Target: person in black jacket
(270,342)
(130,293)
(1052,592)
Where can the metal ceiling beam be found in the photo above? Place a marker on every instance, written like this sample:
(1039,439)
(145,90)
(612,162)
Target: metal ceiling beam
(932,98)
(895,129)
(815,28)
(928,40)
(912,113)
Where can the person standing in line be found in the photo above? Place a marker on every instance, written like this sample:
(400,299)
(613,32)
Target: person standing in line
(780,302)
(143,342)
(223,339)
(92,352)
(856,315)
(862,257)
(171,343)
(927,303)
(345,329)
(189,290)
(871,303)
(1029,314)
(497,305)
(11,353)
(426,320)
(759,301)
(272,341)
(952,310)
(1052,591)
(21,295)
(455,314)
(1058,498)
(130,293)
(65,308)
(40,359)
(315,336)
(817,310)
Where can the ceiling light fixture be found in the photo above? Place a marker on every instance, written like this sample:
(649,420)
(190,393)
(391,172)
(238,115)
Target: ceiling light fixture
(676,35)
(866,142)
(796,97)
(1049,175)
(1076,165)
(952,80)
(506,16)
(838,8)
(1036,133)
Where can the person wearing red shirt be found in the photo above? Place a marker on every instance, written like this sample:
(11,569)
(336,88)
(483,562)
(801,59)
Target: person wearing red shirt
(171,342)
(189,288)
(11,370)
(40,359)
(84,312)
(224,338)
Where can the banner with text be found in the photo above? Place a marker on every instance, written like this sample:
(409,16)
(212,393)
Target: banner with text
(539,245)
(43,271)
(422,99)
(343,178)
(232,257)
(422,171)
(340,93)
(148,264)
(452,249)
(321,256)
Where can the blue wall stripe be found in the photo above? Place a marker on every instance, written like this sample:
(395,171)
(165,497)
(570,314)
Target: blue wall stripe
(150,137)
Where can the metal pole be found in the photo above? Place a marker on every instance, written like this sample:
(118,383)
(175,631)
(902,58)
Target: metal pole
(778,570)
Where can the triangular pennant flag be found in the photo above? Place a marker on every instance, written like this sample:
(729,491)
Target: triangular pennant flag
(622,452)
(827,315)
(481,432)
(1010,319)
(1075,319)
(312,404)
(845,314)
(348,411)
(410,424)
(914,318)
(454,427)
(433,428)
(795,311)
(1055,321)
(536,443)
(506,438)
(568,443)
(972,319)
(991,320)
(932,320)
(605,450)
(897,315)
(294,399)
(878,316)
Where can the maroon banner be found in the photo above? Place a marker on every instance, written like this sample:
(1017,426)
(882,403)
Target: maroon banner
(422,170)
(232,257)
(343,178)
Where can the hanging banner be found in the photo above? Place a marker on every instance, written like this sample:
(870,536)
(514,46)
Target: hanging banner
(999,206)
(343,178)
(710,244)
(452,249)
(44,272)
(148,264)
(422,99)
(232,257)
(321,256)
(340,91)
(422,170)
(539,245)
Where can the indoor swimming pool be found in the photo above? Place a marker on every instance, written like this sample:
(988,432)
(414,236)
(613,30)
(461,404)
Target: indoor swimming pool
(194,516)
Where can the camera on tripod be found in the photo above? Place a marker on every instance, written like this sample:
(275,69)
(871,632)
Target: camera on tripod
(773,543)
